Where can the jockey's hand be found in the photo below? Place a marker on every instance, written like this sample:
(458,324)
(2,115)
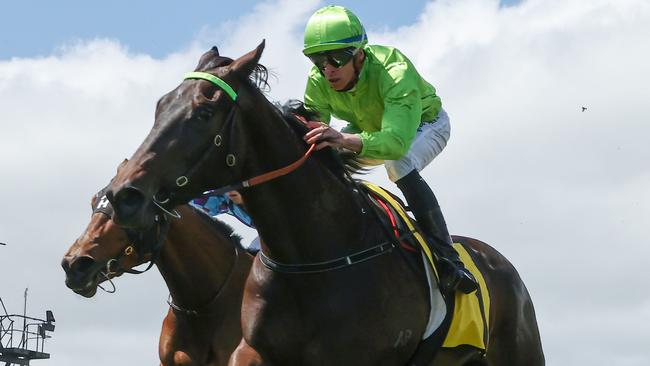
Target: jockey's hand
(323,135)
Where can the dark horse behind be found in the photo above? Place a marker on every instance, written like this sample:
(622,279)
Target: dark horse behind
(202,263)
(310,299)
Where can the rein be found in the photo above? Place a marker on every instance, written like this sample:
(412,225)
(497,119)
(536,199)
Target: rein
(262,178)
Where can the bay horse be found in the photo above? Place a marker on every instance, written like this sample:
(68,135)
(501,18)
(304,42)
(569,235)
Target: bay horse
(326,289)
(204,268)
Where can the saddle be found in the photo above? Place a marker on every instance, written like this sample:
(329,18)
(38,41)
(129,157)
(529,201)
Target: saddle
(466,315)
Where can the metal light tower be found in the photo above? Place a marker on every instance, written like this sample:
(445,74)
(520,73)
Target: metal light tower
(20,346)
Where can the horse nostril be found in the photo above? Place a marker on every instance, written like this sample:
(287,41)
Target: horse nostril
(65,264)
(81,265)
(128,201)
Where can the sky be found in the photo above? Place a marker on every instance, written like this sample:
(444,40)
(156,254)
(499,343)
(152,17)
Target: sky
(562,193)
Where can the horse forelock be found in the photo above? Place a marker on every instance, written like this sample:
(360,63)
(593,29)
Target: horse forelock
(211,60)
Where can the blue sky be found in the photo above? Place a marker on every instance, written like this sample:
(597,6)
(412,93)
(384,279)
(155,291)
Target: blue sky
(31,28)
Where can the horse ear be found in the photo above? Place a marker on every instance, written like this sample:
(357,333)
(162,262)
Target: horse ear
(209,59)
(246,64)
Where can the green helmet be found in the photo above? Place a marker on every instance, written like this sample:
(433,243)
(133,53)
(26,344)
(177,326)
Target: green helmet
(333,27)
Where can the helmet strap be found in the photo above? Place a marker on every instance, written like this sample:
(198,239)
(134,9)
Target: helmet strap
(357,67)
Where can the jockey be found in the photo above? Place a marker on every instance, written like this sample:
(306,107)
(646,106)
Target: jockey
(394,117)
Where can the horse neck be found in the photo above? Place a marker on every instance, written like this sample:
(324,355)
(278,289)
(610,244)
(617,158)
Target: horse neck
(306,215)
(196,259)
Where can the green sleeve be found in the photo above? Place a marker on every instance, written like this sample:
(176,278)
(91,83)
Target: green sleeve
(401,116)
(315,98)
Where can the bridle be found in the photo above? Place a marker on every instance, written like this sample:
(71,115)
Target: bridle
(142,243)
(231,157)
(152,239)
(150,243)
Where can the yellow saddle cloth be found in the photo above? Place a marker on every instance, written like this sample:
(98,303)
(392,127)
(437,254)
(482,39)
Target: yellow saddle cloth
(470,318)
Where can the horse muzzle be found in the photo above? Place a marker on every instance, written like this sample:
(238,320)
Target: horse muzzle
(81,275)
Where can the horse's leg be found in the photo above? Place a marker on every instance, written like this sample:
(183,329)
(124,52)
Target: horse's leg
(245,355)
(176,347)
(168,343)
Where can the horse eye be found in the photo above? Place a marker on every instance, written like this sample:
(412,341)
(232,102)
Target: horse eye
(203,113)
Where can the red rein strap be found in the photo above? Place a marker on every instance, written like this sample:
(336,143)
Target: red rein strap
(278,172)
(267,176)
(282,171)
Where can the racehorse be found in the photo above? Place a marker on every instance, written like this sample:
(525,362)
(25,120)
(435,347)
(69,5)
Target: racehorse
(326,289)
(202,263)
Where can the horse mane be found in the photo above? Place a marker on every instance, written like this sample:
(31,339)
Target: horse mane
(223,228)
(339,162)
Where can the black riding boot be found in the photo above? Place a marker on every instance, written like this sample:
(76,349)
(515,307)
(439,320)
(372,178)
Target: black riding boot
(424,205)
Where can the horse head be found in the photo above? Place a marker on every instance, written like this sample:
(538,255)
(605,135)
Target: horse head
(217,131)
(104,250)
(196,135)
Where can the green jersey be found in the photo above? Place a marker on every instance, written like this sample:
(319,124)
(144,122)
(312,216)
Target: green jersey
(385,107)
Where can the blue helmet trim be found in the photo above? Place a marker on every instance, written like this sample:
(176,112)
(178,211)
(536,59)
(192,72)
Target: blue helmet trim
(361,37)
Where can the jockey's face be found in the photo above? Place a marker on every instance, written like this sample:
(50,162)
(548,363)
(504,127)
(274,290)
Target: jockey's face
(344,77)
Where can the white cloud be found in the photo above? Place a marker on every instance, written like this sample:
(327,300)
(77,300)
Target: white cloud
(281,24)
(562,193)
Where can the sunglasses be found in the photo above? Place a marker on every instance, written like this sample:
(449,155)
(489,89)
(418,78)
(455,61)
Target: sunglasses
(336,58)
